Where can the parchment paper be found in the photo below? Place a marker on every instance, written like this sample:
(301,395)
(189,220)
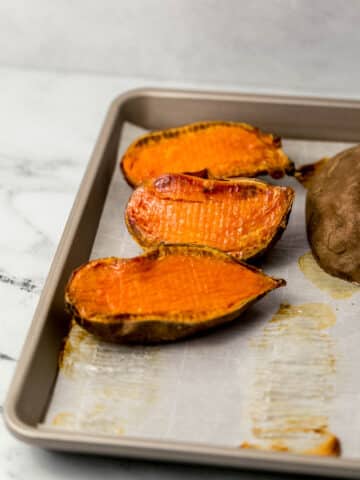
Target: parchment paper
(204,389)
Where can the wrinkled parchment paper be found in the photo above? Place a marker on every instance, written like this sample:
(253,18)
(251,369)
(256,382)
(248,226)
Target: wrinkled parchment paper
(214,389)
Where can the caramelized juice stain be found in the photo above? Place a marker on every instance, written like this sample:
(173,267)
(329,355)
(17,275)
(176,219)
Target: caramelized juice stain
(131,392)
(114,385)
(93,419)
(321,315)
(99,419)
(335,287)
(83,351)
(329,447)
(294,382)
(63,419)
(77,348)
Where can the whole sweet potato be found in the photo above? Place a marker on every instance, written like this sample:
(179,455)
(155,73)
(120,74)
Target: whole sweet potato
(333,215)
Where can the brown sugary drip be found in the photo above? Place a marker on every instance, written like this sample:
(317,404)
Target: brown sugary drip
(335,287)
(108,383)
(330,447)
(293,382)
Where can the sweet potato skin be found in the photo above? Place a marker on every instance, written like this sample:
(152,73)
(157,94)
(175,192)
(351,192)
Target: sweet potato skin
(224,149)
(152,331)
(306,173)
(153,328)
(333,215)
(243,217)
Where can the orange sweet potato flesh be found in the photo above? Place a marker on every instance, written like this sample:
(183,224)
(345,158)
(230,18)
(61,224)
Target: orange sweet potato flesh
(243,217)
(166,294)
(224,149)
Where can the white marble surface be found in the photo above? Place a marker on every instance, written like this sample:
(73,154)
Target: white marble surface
(48,124)
(61,63)
(301,45)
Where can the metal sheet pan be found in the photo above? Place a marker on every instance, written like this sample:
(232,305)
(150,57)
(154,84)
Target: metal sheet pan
(28,399)
(163,392)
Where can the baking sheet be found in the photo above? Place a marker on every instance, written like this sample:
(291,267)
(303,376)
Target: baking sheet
(217,389)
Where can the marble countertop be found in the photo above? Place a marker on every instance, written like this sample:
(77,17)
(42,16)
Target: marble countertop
(49,123)
(55,88)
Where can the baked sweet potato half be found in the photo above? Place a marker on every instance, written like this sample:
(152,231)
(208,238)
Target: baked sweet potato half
(243,217)
(224,149)
(166,294)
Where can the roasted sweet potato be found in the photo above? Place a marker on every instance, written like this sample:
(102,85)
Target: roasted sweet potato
(166,294)
(333,215)
(225,149)
(243,217)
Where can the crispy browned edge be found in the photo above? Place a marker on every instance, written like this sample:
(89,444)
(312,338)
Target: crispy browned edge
(141,329)
(156,136)
(137,236)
